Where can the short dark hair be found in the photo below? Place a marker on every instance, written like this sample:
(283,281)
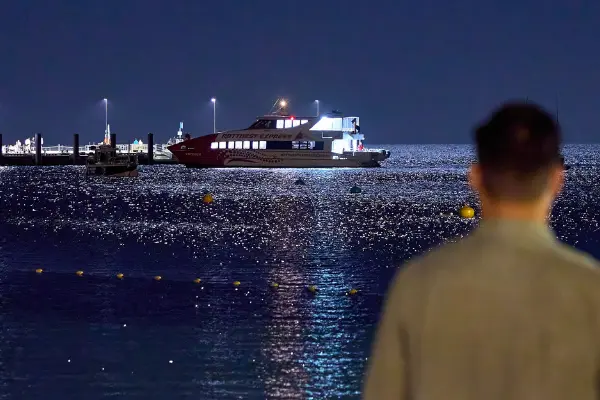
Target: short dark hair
(517,148)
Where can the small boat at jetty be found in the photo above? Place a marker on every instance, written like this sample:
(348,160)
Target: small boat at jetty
(106,162)
(281,140)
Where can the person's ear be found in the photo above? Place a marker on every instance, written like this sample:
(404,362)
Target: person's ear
(557,180)
(474,176)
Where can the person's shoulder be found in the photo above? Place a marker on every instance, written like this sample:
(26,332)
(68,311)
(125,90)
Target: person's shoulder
(569,257)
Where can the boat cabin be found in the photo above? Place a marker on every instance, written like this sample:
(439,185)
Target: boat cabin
(277,122)
(106,154)
(332,132)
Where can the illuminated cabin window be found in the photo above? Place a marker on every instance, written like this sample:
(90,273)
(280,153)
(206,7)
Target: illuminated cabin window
(304,121)
(214,145)
(255,145)
(279,124)
(262,145)
(230,145)
(239,145)
(295,122)
(222,145)
(302,145)
(329,124)
(288,123)
(246,144)
(307,145)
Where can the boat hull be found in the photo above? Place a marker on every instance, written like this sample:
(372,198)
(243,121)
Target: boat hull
(112,170)
(275,159)
(202,153)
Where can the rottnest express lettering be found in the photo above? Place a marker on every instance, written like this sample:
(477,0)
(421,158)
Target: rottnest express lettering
(254,136)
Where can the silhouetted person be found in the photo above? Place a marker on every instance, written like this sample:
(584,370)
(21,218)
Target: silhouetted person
(508,312)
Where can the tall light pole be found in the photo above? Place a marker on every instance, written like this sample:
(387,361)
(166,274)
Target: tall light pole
(214,101)
(106,116)
(317,101)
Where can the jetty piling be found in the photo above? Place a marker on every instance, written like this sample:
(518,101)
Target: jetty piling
(75,148)
(150,148)
(38,149)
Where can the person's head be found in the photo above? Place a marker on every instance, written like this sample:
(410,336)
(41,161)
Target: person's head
(518,157)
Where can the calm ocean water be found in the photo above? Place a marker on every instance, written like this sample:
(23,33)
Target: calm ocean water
(69,337)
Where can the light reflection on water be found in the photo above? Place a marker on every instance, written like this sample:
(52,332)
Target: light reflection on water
(224,343)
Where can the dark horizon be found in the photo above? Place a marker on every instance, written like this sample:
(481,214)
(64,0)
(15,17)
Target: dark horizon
(423,73)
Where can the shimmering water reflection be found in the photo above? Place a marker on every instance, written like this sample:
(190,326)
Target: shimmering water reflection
(96,336)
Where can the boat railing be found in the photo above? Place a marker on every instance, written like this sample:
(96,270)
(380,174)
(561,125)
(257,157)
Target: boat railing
(374,150)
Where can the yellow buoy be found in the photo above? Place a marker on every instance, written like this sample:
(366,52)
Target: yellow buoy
(120,275)
(312,289)
(352,292)
(467,212)
(236,283)
(79,273)
(39,271)
(197,280)
(274,285)
(157,278)
(207,198)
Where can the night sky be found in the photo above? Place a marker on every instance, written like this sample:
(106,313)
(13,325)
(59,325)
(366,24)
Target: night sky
(415,72)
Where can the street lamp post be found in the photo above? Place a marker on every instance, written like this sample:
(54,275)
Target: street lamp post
(317,101)
(214,101)
(106,116)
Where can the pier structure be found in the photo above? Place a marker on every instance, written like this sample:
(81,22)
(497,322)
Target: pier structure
(32,152)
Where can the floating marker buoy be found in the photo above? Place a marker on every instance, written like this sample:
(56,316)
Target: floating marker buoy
(120,276)
(299,182)
(39,271)
(207,198)
(197,280)
(79,273)
(157,278)
(236,283)
(274,285)
(467,212)
(312,289)
(352,292)
(355,189)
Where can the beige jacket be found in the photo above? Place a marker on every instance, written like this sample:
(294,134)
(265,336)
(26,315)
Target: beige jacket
(509,312)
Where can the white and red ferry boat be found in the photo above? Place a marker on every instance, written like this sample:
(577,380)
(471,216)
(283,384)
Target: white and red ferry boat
(284,141)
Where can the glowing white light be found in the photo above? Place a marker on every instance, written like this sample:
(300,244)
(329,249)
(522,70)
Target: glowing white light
(283,103)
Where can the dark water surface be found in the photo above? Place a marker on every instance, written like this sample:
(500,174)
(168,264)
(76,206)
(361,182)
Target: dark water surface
(95,336)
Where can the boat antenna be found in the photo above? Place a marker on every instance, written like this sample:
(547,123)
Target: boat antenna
(280,107)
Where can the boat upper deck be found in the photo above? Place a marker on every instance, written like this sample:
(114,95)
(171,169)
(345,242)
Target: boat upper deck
(324,123)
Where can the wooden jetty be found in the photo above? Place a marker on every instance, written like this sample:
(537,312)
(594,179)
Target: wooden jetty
(38,158)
